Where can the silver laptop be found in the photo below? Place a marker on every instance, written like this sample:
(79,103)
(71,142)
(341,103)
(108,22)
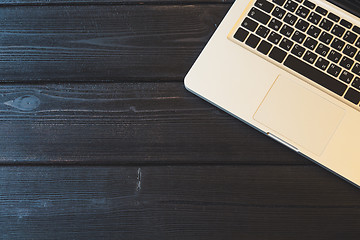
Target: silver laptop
(290,69)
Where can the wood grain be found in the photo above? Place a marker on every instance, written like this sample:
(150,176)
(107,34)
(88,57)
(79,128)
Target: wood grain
(288,202)
(125,123)
(103,43)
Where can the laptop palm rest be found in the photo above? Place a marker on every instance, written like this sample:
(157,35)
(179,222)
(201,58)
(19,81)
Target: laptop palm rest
(299,116)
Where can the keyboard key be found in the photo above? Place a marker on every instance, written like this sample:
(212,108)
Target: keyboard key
(346,76)
(259,16)
(302,25)
(302,12)
(290,19)
(298,50)
(334,56)
(334,70)
(310,43)
(264,47)
(286,30)
(274,37)
(350,37)
(346,62)
(279,2)
(356,69)
(326,24)
(357,58)
(309,4)
(315,75)
(338,44)
(345,23)
(275,24)
(291,6)
(326,38)
(353,96)
(356,83)
(322,50)
(264,5)
(314,18)
(298,37)
(338,30)
(278,12)
(321,10)
(322,63)
(357,44)
(356,29)
(249,24)
(241,34)
(277,54)
(310,57)
(314,31)
(262,31)
(286,44)
(252,41)
(334,17)
(350,50)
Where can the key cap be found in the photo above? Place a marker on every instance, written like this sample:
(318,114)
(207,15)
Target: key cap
(314,18)
(322,50)
(353,96)
(345,23)
(302,25)
(356,29)
(357,58)
(334,70)
(279,2)
(321,10)
(264,5)
(350,37)
(346,76)
(290,19)
(264,47)
(309,4)
(356,83)
(275,24)
(326,24)
(286,30)
(278,12)
(357,44)
(252,41)
(298,50)
(334,17)
(310,43)
(346,62)
(338,30)
(326,38)
(314,31)
(310,57)
(298,37)
(277,54)
(302,12)
(286,44)
(322,63)
(259,16)
(241,34)
(334,56)
(338,44)
(350,50)
(315,75)
(274,37)
(356,69)
(249,24)
(291,6)
(262,31)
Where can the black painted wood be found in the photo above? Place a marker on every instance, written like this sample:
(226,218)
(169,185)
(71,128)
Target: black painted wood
(229,202)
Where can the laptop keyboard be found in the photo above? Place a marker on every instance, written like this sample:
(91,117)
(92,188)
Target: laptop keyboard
(307,39)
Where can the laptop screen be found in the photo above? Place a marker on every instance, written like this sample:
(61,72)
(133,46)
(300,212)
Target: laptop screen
(352,6)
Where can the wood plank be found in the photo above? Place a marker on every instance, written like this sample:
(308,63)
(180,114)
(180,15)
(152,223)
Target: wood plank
(126,123)
(103,43)
(218,202)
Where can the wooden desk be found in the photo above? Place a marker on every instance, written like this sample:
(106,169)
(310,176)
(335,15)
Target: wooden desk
(101,140)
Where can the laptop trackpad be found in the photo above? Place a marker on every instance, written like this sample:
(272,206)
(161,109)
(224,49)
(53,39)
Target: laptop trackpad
(299,116)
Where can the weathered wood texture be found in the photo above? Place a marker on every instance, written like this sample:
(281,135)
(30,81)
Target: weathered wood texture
(229,202)
(125,123)
(103,43)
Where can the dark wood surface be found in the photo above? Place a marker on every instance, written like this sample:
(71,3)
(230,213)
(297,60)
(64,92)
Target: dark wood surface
(100,140)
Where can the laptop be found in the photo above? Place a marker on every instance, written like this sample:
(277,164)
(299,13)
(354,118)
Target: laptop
(290,69)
